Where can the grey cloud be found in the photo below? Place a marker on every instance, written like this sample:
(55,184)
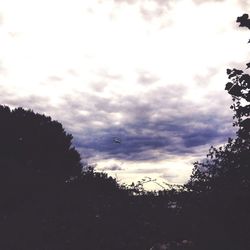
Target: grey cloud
(145,78)
(151,14)
(204,79)
(237,65)
(126,1)
(162,6)
(200,137)
(113,167)
(169,177)
(159,2)
(14,34)
(146,171)
(206,1)
(34,102)
(98,86)
(109,76)
(158,125)
(104,78)
(55,78)
(244,4)
(161,10)
(72,72)
(153,126)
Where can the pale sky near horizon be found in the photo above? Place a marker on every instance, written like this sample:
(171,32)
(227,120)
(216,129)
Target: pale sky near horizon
(149,72)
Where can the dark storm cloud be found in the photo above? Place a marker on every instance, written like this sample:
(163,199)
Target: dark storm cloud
(199,137)
(154,126)
(174,140)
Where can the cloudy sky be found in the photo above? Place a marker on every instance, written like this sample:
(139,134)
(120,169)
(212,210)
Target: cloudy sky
(149,73)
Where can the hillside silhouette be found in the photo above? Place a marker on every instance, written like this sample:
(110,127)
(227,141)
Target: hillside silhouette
(49,200)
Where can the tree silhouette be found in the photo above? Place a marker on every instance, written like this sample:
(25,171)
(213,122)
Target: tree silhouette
(229,163)
(36,142)
(222,180)
(36,160)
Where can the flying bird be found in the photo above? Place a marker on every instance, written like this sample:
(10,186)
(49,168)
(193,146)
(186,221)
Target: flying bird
(117,140)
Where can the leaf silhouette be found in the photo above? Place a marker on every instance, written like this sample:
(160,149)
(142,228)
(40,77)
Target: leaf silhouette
(228,86)
(244,21)
(235,90)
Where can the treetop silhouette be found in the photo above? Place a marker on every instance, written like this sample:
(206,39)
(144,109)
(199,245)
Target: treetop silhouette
(36,144)
(228,166)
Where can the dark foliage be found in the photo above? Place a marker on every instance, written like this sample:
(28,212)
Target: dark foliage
(48,202)
(36,156)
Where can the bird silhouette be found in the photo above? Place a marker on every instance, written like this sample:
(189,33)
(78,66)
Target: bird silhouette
(117,140)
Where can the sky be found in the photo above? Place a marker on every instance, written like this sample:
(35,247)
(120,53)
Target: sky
(147,73)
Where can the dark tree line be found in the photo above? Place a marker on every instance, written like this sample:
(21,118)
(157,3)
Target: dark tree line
(49,201)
